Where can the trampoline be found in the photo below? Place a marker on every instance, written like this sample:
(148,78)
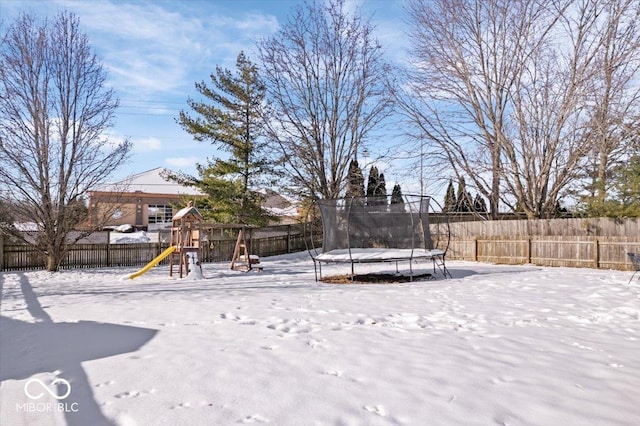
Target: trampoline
(379,229)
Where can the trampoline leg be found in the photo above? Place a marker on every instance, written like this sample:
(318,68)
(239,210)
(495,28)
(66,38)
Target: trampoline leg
(442,266)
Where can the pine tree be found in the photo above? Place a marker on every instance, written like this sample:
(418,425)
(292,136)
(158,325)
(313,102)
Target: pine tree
(376,188)
(397,200)
(372,182)
(450,198)
(355,181)
(381,187)
(234,122)
(464,203)
(624,197)
(479,204)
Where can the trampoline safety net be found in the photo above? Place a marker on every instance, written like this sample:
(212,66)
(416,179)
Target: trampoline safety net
(378,222)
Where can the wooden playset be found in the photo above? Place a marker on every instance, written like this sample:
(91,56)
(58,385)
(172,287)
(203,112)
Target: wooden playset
(185,237)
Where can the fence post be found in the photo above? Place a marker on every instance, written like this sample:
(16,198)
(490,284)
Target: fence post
(475,249)
(108,248)
(288,238)
(596,254)
(1,252)
(529,250)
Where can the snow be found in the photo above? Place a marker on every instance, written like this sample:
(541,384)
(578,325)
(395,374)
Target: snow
(291,211)
(26,226)
(129,238)
(506,345)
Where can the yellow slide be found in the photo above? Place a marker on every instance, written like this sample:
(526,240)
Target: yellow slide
(154,262)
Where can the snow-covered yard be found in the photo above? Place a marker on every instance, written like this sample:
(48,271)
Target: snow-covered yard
(504,345)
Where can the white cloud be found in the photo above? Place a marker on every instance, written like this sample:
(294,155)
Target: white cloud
(146,144)
(151,48)
(181,161)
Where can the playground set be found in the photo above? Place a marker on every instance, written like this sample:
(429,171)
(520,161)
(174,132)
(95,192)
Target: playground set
(185,243)
(355,230)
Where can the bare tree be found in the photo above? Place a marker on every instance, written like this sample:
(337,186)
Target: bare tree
(546,147)
(54,109)
(615,100)
(516,94)
(326,84)
(468,55)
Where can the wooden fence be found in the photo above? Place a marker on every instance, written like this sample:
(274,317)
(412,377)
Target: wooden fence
(267,242)
(592,243)
(587,252)
(589,227)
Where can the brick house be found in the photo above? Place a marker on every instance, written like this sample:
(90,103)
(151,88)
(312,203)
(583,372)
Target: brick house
(145,200)
(148,201)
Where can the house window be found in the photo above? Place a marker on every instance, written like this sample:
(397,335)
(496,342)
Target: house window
(159,214)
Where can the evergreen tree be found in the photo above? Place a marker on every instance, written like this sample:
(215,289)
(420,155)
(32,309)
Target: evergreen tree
(372,182)
(397,200)
(627,187)
(234,122)
(355,181)
(381,187)
(624,197)
(479,204)
(464,200)
(450,202)
(376,188)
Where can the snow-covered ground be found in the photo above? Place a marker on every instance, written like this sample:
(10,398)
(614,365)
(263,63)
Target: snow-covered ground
(132,237)
(503,345)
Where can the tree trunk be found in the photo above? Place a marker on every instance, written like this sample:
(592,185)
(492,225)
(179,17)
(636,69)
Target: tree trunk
(53,261)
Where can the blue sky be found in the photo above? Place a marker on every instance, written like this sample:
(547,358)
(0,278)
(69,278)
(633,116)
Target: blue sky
(155,51)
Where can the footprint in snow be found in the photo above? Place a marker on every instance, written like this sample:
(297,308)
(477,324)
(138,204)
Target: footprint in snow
(337,373)
(255,418)
(502,379)
(134,394)
(313,343)
(241,319)
(376,409)
(182,405)
(141,356)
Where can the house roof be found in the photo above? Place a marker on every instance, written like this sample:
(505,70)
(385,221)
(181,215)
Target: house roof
(187,211)
(278,204)
(152,182)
